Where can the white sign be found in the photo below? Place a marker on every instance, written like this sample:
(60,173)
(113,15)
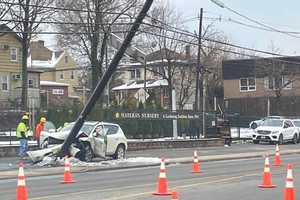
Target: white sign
(141,95)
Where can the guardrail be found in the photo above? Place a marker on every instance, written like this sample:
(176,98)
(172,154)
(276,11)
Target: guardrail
(8,135)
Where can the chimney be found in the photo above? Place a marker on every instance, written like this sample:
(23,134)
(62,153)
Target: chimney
(187,52)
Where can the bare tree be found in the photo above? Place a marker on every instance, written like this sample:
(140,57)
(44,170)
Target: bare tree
(166,46)
(25,17)
(96,19)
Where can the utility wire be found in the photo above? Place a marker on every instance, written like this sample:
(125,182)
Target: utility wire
(248,25)
(183,31)
(259,23)
(61,8)
(178,31)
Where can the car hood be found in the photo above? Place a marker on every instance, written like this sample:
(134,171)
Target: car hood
(268,128)
(61,135)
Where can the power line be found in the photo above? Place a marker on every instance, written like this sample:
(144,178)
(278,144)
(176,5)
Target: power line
(252,20)
(248,25)
(186,32)
(228,51)
(180,31)
(66,23)
(61,8)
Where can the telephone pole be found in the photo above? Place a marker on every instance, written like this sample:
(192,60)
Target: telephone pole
(197,97)
(199,70)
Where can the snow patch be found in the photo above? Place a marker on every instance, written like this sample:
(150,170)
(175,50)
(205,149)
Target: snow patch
(54,161)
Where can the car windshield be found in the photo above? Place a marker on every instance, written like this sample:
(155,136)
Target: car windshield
(86,128)
(272,122)
(48,126)
(297,123)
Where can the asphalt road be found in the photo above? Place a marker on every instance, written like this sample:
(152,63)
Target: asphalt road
(224,180)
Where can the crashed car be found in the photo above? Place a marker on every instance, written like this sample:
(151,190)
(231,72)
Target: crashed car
(95,139)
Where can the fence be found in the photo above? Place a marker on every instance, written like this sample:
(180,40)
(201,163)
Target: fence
(140,128)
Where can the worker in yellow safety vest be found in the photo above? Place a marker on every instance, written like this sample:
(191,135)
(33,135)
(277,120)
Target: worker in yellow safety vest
(22,134)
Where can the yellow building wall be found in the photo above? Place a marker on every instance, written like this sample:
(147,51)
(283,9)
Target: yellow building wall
(10,68)
(64,64)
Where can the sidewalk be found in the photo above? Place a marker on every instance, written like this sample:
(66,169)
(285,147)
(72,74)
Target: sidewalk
(32,172)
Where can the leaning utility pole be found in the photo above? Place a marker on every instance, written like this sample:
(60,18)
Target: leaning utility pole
(199,66)
(105,78)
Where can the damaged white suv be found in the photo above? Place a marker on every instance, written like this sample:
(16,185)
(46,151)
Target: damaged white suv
(95,139)
(276,131)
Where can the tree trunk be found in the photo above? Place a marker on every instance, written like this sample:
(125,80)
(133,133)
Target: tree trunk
(24,74)
(94,64)
(170,88)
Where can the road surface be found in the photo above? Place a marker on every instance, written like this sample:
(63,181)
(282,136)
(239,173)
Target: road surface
(224,180)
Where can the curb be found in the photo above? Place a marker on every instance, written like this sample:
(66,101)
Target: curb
(12,174)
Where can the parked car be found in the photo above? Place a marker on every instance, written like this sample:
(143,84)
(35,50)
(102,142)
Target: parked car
(257,123)
(95,139)
(276,131)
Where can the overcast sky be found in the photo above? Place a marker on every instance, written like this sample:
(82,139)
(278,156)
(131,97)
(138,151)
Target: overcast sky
(283,15)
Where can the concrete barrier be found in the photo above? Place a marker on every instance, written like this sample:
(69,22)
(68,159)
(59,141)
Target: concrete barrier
(12,150)
(144,145)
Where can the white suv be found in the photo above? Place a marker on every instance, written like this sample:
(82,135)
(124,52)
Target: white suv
(95,139)
(276,131)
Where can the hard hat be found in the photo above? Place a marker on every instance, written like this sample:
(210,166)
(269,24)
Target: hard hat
(43,119)
(25,117)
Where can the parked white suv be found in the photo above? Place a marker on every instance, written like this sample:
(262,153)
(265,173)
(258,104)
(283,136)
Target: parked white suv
(276,131)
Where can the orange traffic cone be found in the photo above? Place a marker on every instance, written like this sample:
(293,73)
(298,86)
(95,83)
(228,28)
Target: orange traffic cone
(289,192)
(67,174)
(196,164)
(174,195)
(267,176)
(277,157)
(21,188)
(162,187)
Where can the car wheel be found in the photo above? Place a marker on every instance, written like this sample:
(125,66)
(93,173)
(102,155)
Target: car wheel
(295,139)
(254,125)
(120,152)
(280,139)
(255,141)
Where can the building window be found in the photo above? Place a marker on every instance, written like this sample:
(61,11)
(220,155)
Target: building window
(135,74)
(275,83)
(132,74)
(138,73)
(61,76)
(247,84)
(66,59)
(14,54)
(58,91)
(72,75)
(4,83)
(30,83)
